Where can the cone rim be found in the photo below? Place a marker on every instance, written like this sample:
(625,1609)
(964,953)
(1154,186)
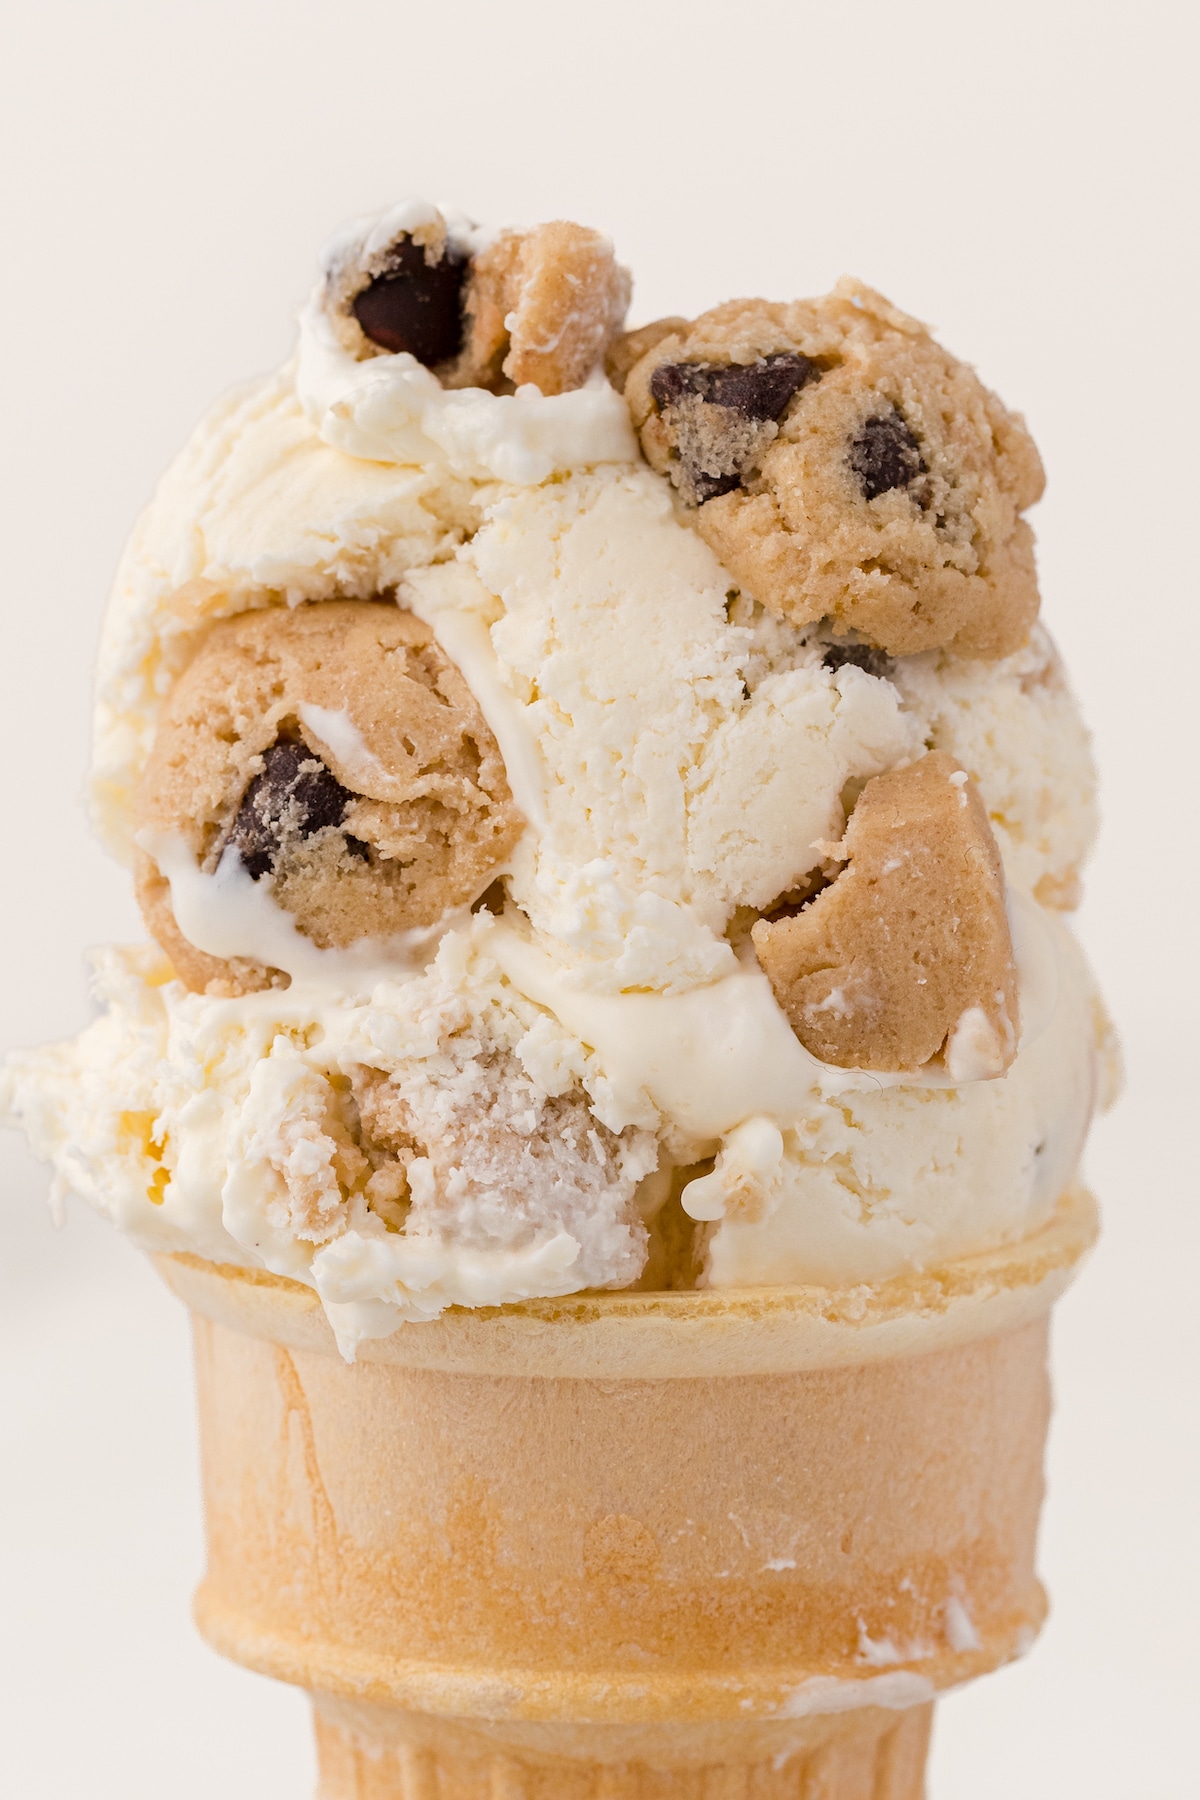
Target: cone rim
(701,1332)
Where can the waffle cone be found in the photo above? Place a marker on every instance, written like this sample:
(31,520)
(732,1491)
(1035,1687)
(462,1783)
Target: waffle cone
(690,1544)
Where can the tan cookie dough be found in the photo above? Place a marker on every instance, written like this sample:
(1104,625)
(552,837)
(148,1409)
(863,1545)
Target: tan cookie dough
(844,466)
(908,950)
(342,755)
(538,306)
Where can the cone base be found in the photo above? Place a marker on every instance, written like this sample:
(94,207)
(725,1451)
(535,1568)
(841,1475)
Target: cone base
(370,1752)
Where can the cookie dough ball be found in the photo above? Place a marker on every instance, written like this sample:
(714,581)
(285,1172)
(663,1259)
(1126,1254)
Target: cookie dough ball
(538,306)
(908,951)
(844,466)
(342,757)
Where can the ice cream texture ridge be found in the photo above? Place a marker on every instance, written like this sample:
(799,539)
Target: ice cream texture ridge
(604,803)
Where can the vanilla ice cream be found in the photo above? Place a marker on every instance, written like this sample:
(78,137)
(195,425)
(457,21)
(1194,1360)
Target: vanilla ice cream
(501,1105)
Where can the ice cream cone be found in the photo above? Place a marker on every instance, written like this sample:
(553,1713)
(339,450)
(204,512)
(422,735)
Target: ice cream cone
(659,1544)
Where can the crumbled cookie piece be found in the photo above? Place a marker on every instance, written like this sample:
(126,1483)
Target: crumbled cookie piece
(341,756)
(538,306)
(489,1157)
(908,951)
(542,307)
(844,466)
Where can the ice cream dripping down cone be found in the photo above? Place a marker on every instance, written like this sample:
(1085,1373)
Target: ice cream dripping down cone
(689,1544)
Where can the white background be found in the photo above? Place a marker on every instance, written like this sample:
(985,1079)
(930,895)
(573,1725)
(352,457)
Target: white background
(1017,172)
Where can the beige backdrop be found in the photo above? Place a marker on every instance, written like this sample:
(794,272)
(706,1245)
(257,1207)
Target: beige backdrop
(1017,173)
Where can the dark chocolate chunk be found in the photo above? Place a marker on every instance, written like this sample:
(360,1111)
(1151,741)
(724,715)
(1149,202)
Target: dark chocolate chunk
(715,458)
(863,656)
(415,305)
(707,487)
(294,796)
(493,899)
(884,455)
(760,390)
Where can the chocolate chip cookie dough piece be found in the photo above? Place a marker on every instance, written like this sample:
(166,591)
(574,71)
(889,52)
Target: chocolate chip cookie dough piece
(844,466)
(341,756)
(542,306)
(536,306)
(909,949)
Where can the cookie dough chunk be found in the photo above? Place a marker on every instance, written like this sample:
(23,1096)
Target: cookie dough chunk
(538,306)
(908,951)
(543,306)
(341,756)
(844,466)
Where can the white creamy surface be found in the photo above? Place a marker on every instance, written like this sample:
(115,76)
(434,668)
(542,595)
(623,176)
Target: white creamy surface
(374,232)
(673,793)
(228,913)
(682,760)
(333,727)
(825,1694)
(458,608)
(392,409)
(203,1123)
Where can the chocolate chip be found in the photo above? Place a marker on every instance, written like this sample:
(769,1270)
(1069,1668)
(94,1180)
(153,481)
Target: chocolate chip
(716,448)
(760,390)
(415,305)
(863,656)
(294,796)
(493,899)
(707,487)
(884,455)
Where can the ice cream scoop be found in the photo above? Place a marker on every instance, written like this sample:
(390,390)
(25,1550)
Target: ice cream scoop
(509,772)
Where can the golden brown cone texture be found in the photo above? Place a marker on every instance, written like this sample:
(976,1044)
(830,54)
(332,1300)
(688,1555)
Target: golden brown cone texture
(548,1546)
(870,1754)
(496,1582)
